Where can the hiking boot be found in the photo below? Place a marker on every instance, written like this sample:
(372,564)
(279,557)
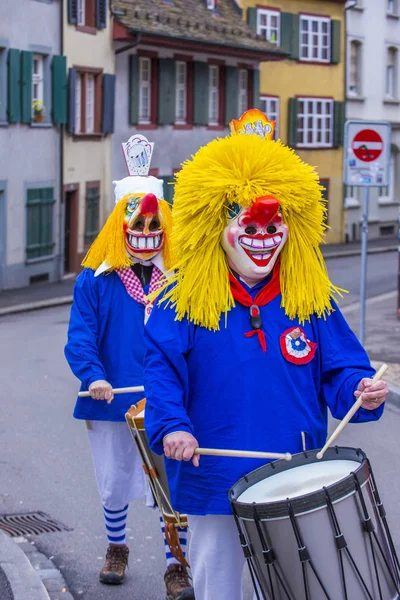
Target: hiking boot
(177,583)
(116,561)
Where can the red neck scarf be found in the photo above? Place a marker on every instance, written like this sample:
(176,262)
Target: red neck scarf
(270,291)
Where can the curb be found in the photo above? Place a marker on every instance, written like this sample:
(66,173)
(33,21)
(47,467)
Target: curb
(28,306)
(344,253)
(22,577)
(394,395)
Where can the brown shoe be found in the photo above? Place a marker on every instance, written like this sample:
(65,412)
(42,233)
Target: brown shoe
(177,583)
(116,561)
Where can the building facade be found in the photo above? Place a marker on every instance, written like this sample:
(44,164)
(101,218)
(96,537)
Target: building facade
(32,113)
(87,189)
(373,94)
(305,93)
(184,70)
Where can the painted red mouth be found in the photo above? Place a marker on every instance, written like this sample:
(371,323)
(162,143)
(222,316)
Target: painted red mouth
(261,248)
(142,243)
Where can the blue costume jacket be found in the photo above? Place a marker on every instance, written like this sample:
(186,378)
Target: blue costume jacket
(221,387)
(105,341)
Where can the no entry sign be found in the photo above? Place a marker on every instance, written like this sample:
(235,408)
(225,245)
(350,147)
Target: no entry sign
(367,153)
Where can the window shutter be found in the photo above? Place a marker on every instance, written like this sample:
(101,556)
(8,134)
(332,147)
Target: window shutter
(73,11)
(292,123)
(252,18)
(14,86)
(133,89)
(295,49)
(166,91)
(168,188)
(26,87)
(290,34)
(71,100)
(108,103)
(256,88)
(101,14)
(231,94)
(59,87)
(338,123)
(200,109)
(336,28)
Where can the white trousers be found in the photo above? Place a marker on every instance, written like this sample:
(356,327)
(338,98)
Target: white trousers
(117,464)
(216,557)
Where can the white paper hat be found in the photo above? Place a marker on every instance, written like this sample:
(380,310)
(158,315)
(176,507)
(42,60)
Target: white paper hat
(138,185)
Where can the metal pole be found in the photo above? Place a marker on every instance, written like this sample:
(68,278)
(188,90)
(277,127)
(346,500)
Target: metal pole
(364,255)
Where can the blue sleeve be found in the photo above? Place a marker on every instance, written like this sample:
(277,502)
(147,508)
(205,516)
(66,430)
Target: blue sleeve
(81,350)
(343,363)
(166,376)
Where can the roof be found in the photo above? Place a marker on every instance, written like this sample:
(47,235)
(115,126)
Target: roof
(192,21)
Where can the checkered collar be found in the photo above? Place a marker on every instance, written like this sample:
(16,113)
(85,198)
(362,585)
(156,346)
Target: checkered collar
(134,287)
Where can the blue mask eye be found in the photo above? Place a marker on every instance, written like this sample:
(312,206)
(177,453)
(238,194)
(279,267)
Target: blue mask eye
(233,210)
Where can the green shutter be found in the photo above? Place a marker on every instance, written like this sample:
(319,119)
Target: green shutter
(336,32)
(252,18)
(59,88)
(231,94)
(39,241)
(166,92)
(26,87)
(290,34)
(292,122)
(256,88)
(133,89)
(339,115)
(200,107)
(14,86)
(92,214)
(168,180)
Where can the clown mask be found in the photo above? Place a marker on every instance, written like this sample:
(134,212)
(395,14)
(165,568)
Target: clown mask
(254,237)
(144,232)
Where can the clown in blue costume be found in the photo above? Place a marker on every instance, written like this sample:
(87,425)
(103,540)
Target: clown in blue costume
(246,347)
(105,350)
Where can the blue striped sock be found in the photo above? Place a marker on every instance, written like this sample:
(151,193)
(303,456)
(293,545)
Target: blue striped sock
(116,524)
(171,560)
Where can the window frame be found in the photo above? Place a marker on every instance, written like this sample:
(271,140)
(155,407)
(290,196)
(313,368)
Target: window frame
(395,11)
(314,116)
(357,93)
(145,120)
(395,73)
(181,88)
(89,236)
(211,4)
(40,58)
(82,75)
(217,90)
(269,13)
(243,92)
(320,20)
(81,13)
(267,98)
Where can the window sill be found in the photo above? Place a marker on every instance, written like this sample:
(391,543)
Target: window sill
(359,8)
(351,203)
(34,261)
(301,147)
(182,127)
(4,123)
(95,137)
(355,98)
(321,63)
(215,127)
(386,201)
(391,101)
(395,17)
(146,126)
(86,29)
(41,125)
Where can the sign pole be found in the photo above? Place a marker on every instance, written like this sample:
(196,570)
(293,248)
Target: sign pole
(364,257)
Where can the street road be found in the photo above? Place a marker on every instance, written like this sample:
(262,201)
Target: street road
(45,462)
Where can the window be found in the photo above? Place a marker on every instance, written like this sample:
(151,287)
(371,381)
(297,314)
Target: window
(81,12)
(181,93)
(39,241)
(391,74)
(211,4)
(391,7)
(37,78)
(315,123)
(78,105)
(243,90)
(213,95)
(315,38)
(354,81)
(268,25)
(270,106)
(88,89)
(92,207)
(90,104)
(144,90)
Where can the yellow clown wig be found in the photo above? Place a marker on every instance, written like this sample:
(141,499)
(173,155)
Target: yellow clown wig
(110,245)
(240,168)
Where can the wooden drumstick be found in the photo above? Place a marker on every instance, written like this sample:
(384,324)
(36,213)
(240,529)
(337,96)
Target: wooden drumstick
(241,453)
(378,375)
(125,390)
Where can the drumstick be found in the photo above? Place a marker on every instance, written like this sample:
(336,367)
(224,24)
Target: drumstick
(378,375)
(125,390)
(241,453)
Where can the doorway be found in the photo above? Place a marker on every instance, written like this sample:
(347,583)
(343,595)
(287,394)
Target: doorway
(71,203)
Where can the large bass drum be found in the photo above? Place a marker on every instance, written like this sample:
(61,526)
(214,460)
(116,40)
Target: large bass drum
(316,529)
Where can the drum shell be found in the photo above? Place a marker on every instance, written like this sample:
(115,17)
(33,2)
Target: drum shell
(315,526)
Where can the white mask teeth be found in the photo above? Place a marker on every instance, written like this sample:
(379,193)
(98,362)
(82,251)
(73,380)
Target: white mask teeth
(144,242)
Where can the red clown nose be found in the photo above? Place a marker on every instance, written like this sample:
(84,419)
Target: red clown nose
(149,204)
(264,209)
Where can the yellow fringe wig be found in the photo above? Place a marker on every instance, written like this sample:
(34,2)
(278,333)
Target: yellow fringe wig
(240,168)
(109,245)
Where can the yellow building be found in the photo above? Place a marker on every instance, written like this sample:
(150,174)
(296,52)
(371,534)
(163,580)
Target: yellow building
(306,92)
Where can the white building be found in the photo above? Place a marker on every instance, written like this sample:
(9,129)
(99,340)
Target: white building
(373,93)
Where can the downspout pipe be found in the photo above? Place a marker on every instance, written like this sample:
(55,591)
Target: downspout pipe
(61,204)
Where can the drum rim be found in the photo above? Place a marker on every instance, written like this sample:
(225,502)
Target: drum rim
(306,502)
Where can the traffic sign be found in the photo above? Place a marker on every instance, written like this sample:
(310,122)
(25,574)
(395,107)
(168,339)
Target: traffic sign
(367,153)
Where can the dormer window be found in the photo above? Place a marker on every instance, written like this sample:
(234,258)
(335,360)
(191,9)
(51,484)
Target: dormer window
(211,4)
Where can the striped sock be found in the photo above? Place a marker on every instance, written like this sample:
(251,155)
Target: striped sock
(171,560)
(116,524)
